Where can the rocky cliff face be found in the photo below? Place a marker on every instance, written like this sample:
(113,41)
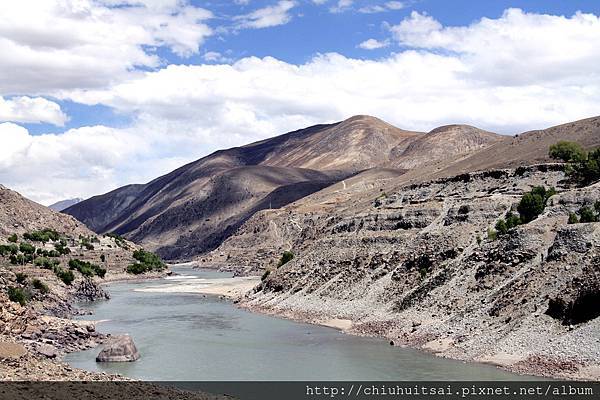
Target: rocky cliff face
(417,266)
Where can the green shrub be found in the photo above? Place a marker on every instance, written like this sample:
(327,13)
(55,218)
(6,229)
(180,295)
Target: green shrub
(17,295)
(66,276)
(138,268)
(286,257)
(573,219)
(588,171)
(44,235)
(62,248)
(147,261)
(86,268)
(567,151)
(26,248)
(583,168)
(149,258)
(492,234)
(8,249)
(532,204)
(265,275)
(119,240)
(21,277)
(13,238)
(512,220)
(587,214)
(17,259)
(501,227)
(46,263)
(41,286)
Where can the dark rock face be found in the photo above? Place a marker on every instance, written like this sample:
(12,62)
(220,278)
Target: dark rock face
(88,290)
(119,349)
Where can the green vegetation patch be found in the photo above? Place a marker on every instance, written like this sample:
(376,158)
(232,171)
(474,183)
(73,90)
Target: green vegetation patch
(87,268)
(46,263)
(119,240)
(586,214)
(21,277)
(286,257)
(66,276)
(7,249)
(40,286)
(532,204)
(583,167)
(44,235)
(147,261)
(18,295)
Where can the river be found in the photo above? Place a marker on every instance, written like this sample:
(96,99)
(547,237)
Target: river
(191,337)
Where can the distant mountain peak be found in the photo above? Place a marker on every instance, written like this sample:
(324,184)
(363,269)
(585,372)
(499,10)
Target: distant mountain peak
(64,204)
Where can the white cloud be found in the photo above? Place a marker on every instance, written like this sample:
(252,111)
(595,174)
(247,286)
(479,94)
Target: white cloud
(394,5)
(516,49)
(274,15)
(32,110)
(498,74)
(215,56)
(378,8)
(53,45)
(372,44)
(341,6)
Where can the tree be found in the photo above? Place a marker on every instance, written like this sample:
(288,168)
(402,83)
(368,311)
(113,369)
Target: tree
(587,215)
(567,151)
(17,295)
(512,220)
(286,257)
(573,219)
(589,170)
(530,206)
(533,203)
(13,238)
(501,227)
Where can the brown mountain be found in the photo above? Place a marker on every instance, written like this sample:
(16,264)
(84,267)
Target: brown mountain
(442,142)
(194,208)
(19,215)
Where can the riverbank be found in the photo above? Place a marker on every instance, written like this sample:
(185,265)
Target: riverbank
(520,354)
(36,336)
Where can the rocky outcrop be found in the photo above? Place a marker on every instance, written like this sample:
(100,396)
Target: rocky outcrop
(417,267)
(88,290)
(119,349)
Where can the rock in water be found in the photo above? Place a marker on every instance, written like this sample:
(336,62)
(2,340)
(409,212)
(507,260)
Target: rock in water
(88,290)
(119,349)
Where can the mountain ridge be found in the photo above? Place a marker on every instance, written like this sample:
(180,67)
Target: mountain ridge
(200,194)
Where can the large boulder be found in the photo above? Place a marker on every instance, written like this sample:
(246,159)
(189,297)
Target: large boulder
(119,349)
(88,290)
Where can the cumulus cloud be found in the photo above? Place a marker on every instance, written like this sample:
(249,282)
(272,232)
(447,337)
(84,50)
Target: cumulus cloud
(341,6)
(378,8)
(274,15)
(182,112)
(373,44)
(53,45)
(516,49)
(32,110)
(84,161)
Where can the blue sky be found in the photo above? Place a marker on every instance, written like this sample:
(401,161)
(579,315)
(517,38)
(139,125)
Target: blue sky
(95,94)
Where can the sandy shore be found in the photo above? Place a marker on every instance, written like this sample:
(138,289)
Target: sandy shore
(228,287)
(337,323)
